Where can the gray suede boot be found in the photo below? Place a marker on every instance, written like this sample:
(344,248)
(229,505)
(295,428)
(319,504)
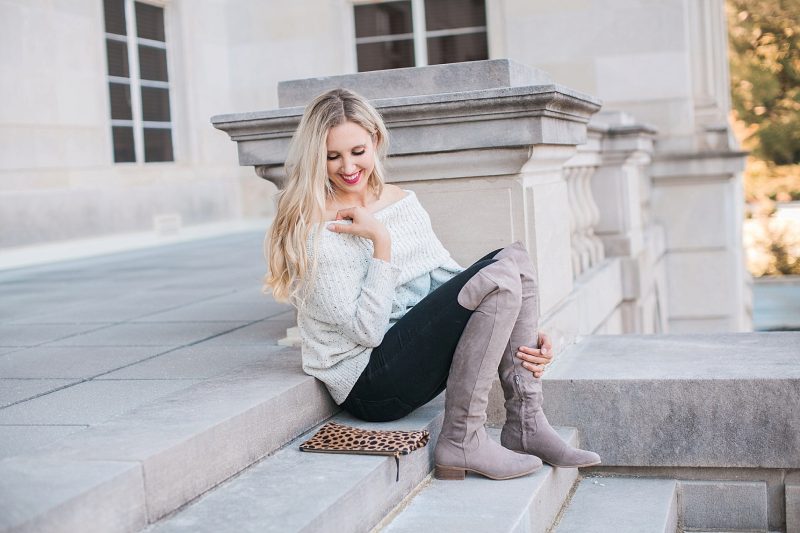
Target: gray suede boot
(526,429)
(493,294)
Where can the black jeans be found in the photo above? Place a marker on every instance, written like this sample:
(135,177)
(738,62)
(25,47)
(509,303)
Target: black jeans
(410,366)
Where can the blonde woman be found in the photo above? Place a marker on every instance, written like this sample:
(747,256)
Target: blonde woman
(388,320)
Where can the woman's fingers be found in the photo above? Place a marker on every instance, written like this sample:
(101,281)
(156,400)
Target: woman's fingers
(364,224)
(341,228)
(537,370)
(534,355)
(533,359)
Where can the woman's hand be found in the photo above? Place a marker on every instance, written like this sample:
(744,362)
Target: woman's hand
(535,359)
(367,226)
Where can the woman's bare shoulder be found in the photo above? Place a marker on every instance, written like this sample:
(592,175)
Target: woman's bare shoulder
(393,193)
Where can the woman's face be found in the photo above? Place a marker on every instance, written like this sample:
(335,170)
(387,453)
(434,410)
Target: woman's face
(351,157)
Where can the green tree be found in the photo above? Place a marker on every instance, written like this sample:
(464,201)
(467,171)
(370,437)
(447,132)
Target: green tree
(765,74)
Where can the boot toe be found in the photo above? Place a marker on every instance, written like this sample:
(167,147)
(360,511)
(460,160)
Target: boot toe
(577,458)
(511,467)
(531,462)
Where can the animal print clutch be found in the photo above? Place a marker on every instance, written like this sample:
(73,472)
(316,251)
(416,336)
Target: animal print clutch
(338,438)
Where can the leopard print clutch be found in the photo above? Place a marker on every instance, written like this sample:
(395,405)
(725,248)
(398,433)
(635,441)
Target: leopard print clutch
(338,438)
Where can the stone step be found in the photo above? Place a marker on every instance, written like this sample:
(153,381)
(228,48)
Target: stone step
(300,491)
(681,400)
(621,505)
(528,503)
(723,505)
(139,466)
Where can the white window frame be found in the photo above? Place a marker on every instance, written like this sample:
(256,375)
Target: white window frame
(132,41)
(420,34)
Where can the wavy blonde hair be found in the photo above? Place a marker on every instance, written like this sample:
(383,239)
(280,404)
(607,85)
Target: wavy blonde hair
(301,204)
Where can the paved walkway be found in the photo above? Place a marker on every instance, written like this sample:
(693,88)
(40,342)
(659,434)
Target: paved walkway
(85,340)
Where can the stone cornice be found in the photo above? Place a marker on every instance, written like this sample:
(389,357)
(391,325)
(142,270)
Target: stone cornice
(508,103)
(697,166)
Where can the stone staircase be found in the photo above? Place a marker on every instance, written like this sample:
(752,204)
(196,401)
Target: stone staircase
(222,455)
(290,490)
(295,491)
(111,478)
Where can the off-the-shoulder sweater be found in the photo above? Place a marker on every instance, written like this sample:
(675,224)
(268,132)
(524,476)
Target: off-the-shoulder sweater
(353,299)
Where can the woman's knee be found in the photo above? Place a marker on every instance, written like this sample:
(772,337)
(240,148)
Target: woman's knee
(377,410)
(517,252)
(499,276)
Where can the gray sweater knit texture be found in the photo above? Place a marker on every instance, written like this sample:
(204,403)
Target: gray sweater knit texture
(353,299)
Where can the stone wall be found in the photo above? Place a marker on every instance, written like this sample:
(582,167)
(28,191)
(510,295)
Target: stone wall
(58,180)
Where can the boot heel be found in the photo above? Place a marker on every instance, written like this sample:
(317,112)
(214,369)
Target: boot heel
(449,473)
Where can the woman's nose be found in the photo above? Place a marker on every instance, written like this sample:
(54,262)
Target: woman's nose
(348,166)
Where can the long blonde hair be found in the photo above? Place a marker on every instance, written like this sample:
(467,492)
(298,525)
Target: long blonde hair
(302,203)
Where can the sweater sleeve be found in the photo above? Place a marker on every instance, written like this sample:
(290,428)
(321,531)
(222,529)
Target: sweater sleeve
(356,303)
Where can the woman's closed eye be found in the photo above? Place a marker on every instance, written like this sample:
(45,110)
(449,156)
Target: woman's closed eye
(332,157)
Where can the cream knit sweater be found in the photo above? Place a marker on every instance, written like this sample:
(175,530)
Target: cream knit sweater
(354,298)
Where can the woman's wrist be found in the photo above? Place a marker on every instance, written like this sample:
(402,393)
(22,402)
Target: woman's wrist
(382,246)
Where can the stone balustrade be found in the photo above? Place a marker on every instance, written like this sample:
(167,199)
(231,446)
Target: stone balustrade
(622,189)
(587,248)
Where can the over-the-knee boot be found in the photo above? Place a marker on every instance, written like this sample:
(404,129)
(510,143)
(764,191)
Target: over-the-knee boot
(493,294)
(527,429)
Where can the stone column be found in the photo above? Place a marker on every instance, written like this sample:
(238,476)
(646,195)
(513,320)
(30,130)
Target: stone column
(483,145)
(698,199)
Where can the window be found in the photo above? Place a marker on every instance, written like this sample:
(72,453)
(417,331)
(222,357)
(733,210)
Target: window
(408,33)
(138,83)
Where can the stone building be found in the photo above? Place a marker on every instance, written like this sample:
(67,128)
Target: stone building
(105,126)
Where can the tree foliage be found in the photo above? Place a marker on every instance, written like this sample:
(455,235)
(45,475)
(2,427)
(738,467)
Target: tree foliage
(765,74)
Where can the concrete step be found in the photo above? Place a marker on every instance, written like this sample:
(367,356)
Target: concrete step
(139,466)
(525,504)
(300,491)
(723,505)
(681,400)
(621,505)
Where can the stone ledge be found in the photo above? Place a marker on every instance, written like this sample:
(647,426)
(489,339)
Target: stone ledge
(682,400)
(177,446)
(528,503)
